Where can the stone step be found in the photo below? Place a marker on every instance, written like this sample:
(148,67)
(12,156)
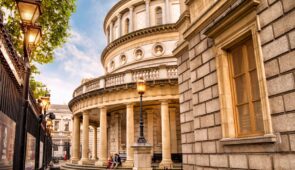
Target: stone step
(69,166)
(87,167)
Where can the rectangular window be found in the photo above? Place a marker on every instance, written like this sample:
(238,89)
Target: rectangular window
(55,147)
(67,127)
(245,88)
(56,126)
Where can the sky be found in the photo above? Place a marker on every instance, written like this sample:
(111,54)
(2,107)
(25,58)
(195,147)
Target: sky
(80,57)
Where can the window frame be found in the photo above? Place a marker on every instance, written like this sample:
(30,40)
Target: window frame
(158,8)
(230,36)
(248,89)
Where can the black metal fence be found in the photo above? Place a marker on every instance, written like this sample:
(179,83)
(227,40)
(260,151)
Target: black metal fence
(11,71)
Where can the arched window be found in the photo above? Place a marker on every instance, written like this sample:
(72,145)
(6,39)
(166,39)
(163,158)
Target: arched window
(159,16)
(127,25)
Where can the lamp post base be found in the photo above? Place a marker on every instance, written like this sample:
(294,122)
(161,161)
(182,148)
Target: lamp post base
(166,164)
(142,156)
(74,160)
(84,161)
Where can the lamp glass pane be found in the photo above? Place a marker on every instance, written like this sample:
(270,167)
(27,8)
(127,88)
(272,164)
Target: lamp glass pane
(34,35)
(28,12)
(141,86)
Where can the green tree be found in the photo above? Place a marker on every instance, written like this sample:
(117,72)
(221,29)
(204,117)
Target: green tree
(55,30)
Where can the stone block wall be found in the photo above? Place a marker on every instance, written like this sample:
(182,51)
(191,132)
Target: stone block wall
(200,117)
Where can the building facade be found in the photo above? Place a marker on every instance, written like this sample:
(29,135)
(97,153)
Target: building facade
(62,130)
(141,36)
(236,83)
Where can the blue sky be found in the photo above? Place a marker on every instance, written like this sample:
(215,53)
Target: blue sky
(80,57)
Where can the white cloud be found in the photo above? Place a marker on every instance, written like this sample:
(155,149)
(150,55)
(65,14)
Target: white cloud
(76,60)
(79,57)
(61,90)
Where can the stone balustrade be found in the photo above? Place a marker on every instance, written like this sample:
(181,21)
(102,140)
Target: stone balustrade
(130,76)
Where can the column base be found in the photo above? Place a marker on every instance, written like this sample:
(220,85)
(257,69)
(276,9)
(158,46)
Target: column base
(128,164)
(84,161)
(101,163)
(74,160)
(166,164)
(142,156)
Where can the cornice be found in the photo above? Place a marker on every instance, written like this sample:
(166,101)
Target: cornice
(230,16)
(132,85)
(207,17)
(181,47)
(167,28)
(184,17)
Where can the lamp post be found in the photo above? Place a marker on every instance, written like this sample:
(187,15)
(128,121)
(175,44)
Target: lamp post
(29,11)
(48,126)
(141,87)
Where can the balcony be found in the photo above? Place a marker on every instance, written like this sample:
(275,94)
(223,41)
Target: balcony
(127,77)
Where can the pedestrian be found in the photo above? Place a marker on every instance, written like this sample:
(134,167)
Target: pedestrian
(110,162)
(116,161)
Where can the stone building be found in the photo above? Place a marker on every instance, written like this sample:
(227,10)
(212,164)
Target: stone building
(236,83)
(62,129)
(141,36)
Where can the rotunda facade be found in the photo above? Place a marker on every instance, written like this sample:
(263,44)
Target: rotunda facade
(141,36)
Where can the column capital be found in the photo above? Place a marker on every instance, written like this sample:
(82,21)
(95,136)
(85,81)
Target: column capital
(164,101)
(102,107)
(147,1)
(149,111)
(119,15)
(130,104)
(86,112)
(172,109)
(131,8)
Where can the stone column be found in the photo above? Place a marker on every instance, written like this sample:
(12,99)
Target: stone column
(85,143)
(103,138)
(147,12)
(166,144)
(119,17)
(172,112)
(95,142)
(76,140)
(131,18)
(150,128)
(129,135)
(167,12)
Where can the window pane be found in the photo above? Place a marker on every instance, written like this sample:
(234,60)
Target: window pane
(250,54)
(241,92)
(258,116)
(254,85)
(244,119)
(238,63)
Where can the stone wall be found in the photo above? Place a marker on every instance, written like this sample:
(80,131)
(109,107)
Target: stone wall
(200,117)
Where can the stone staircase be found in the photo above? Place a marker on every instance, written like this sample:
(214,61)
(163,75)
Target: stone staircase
(69,166)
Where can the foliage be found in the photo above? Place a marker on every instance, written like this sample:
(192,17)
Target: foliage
(55,24)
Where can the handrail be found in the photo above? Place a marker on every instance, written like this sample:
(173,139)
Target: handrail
(126,77)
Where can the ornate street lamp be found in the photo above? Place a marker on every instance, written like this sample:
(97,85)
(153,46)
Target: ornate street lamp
(141,87)
(45,103)
(29,11)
